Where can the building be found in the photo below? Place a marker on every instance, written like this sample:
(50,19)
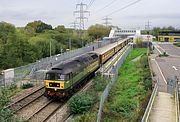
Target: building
(169,36)
(118,32)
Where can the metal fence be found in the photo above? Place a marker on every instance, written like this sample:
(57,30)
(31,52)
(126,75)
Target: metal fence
(31,71)
(150,104)
(113,75)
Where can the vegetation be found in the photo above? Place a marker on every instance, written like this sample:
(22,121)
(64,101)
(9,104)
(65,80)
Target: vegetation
(139,42)
(82,102)
(127,99)
(27,85)
(177,44)
(98,31)
(23,45)
(96,90)
(163,55)
(155,31)
(7,115)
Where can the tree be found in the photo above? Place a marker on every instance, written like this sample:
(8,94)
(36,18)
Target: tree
(98,31)
(61,29)
(5,30)
(39,26)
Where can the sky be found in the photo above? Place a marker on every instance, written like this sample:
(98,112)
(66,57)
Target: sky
(60,12)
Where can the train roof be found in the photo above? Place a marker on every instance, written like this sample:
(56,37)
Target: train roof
(107,47)
(74,64)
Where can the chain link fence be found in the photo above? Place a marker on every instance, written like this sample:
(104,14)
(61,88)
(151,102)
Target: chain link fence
(36,70)
(113,75)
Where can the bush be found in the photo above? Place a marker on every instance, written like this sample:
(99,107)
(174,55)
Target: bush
(4,100)
(177,44)
(163,55)
(27,85)
(82,102)
(7,115)
(100,83)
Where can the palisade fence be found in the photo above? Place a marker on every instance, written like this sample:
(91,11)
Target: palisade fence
(114,73)
(37,69)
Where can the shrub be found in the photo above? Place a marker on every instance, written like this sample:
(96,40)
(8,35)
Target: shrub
(7,115)
(163,55)
(100,83)
(177,44)
(3,100)
(82,102)
(27,85)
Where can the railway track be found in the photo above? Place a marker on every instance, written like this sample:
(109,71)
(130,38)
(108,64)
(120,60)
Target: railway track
(52,109)
(27,99)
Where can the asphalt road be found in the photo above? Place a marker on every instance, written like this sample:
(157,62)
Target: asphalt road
(171,49)
(169,66)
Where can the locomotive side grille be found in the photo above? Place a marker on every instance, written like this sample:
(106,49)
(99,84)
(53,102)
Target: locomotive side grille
(54,84)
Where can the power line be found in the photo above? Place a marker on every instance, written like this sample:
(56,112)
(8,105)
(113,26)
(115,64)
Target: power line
(107,23)
(81,13)
(90,3)
(124,7)
(106,5)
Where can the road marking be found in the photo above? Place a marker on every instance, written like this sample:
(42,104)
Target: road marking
(160,71)
(157,49)
(174,68)
(162,48)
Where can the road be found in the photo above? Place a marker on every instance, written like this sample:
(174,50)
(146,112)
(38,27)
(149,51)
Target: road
(170,49)
(170,65)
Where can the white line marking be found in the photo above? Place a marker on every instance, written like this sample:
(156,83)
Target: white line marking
(160,71)
(174,68)
(157,49)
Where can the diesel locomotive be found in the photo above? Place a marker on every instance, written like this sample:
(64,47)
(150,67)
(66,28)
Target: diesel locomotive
(63,79)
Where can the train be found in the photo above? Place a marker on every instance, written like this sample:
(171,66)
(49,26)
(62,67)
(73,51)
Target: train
(65,78)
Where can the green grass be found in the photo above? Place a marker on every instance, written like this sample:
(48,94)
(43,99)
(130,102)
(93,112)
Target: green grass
(177,44)
(126,99)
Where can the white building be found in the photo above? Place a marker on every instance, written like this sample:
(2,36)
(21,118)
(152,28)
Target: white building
(118,32)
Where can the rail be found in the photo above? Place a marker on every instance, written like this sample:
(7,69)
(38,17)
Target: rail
(150,104)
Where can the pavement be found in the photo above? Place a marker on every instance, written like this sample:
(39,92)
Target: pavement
(164,108)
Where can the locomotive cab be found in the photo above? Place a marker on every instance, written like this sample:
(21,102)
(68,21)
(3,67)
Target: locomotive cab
(55,84)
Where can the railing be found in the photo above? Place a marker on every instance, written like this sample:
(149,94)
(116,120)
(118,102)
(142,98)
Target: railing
(177,103)
(150,104)
(114,72)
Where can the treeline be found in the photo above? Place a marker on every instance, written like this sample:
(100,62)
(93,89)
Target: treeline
(155,30)
(22,45)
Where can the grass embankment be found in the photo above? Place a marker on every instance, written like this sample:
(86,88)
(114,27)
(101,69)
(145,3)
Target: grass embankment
(177,44)
(129,96)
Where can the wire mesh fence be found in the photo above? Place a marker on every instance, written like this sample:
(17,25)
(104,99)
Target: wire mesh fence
(113,75)
(32,70)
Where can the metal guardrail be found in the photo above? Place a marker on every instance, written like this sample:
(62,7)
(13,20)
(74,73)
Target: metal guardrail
(150,103)
(177,103)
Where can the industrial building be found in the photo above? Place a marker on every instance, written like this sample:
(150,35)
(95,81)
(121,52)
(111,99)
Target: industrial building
(169,36)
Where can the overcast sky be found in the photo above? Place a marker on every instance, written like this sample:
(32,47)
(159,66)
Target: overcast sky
(60,12)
